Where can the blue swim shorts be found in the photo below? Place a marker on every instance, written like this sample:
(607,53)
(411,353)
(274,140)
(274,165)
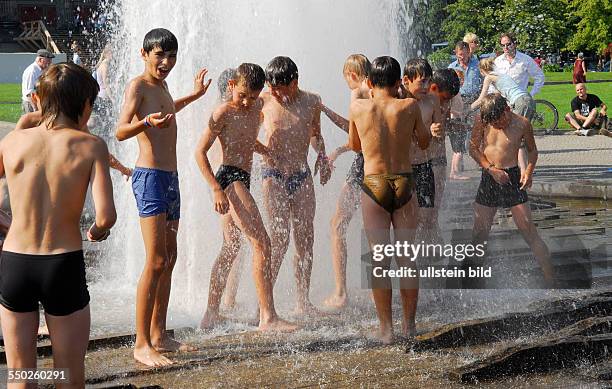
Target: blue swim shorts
(156,192)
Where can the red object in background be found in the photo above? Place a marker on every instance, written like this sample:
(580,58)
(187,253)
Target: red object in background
(48,14)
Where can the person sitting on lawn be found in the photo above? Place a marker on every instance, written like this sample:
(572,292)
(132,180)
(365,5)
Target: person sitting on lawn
(588,114)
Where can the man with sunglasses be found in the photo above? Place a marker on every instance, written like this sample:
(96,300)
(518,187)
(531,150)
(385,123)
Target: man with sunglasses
(520,67)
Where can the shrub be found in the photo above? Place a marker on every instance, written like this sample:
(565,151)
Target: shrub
(551,67)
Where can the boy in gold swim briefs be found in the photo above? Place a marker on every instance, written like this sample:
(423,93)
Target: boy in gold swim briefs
(382,128)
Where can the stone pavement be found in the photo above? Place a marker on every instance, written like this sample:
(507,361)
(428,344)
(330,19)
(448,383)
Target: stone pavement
(568,165)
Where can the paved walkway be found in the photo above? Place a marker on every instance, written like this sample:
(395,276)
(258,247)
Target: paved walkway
(568,165)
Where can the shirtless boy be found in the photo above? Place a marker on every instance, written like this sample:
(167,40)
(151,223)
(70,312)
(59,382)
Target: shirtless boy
(148,114)
(383,128)
(292,121)
(416,80)
(236,124)
(33,119)
(48,170)
(356,70)
(494,145)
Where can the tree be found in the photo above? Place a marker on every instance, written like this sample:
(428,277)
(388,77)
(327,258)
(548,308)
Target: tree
(539,25)
(594,28)
(478,16)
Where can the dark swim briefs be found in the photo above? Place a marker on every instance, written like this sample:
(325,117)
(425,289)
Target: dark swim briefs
(228,174)
(390,191)
(156,192)
(56,280)
(492,194)
(355,175)
(425,184)
(292,182)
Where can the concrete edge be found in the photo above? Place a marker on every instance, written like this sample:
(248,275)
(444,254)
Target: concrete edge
(572,189)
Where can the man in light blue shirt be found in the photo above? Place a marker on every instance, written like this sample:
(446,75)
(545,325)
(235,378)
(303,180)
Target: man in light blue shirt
(467,67)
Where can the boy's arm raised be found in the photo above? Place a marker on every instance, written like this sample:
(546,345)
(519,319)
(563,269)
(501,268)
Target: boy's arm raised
(437,129)
(133,98)
(211,132)
(318,144)
(354,142)
(102,194)
(483,92)
(199,89)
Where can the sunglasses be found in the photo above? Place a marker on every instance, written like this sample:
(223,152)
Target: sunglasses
(507,44)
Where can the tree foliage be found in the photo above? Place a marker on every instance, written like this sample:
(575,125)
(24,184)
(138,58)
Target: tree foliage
(593,30)
(478,16)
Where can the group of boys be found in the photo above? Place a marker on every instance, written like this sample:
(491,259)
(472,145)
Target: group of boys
(396,125)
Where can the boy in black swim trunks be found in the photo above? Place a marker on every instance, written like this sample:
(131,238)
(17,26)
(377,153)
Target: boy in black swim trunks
(43,261)
(148,113)
(383,128)
(494,145)
(236,124)
(416,81)
(355,71)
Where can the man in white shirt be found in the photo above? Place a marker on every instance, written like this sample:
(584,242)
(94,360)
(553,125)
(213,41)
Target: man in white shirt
(520,67)
(31,75)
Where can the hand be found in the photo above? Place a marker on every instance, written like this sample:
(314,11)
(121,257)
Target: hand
(127,172)
(499,175)
(331,159)
(160,120)
(324,168)
(95,234)
(199,87)
(221,201)
(526,180)
(436,130)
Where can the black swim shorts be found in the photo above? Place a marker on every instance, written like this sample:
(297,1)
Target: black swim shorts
(56,280)
(492,194)
(425,184)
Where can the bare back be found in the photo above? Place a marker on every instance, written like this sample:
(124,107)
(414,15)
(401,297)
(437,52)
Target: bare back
(48,173)
(157,146)
(430,113)
(239,134)
(289,128)
(384,131)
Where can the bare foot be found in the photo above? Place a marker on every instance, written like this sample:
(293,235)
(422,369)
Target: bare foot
(167,344)
(307,309)
(458,177)
(386,337)
(212,320)
(409,329)
(43,330)
(147,355)
(336,301)
(277,325)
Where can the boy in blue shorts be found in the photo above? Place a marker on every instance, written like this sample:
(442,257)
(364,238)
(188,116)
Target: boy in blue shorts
(148,114)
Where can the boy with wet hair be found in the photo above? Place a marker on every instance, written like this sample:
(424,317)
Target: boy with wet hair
(494,145)
(292,122)
(42,259)
(355,71)
(148,114)
(416,81)
(383,128)
(33,119)
(236,124)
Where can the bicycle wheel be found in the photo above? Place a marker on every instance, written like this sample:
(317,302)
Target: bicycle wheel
(545,117)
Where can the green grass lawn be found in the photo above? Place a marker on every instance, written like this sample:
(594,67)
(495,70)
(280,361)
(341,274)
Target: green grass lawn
(10,93)
(567,76)
(561,95)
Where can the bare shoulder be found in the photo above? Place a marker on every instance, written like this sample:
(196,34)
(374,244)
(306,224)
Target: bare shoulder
(221,111)
(312,99)
(360,105)
(265,97)
(409,105)
(136,86)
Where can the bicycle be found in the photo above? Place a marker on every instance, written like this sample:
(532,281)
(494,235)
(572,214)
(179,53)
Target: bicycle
(545,117)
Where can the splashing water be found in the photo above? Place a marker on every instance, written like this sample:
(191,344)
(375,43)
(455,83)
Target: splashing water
(318,36)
